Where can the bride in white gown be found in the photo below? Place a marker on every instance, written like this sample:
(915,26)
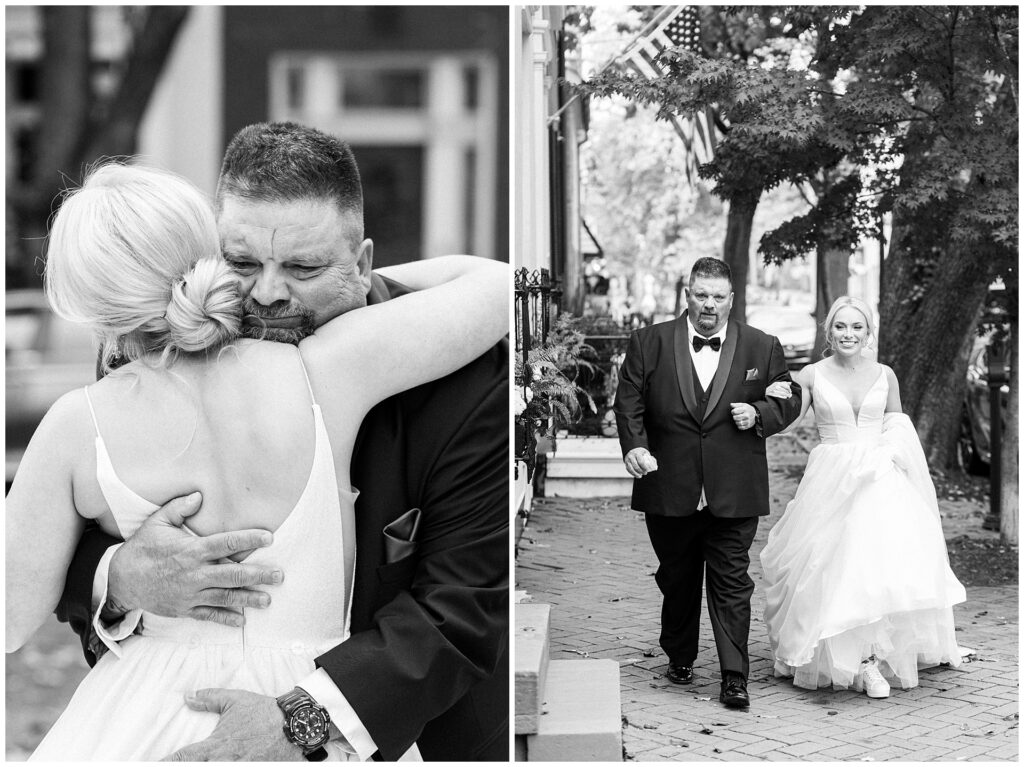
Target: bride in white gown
(858,584)
(265,430)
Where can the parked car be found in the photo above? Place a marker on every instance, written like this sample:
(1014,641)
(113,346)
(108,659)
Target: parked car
(792,325)
(45,357)
(974,445)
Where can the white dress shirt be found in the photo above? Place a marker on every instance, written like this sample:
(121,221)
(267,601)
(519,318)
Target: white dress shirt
(705,362)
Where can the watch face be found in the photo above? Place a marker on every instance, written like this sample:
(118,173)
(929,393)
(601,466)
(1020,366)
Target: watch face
(308,725)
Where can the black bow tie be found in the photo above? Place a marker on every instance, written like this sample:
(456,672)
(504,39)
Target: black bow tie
(699,342)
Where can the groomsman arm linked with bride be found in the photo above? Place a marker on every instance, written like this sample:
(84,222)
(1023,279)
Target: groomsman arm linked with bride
(315,651)
(858,584)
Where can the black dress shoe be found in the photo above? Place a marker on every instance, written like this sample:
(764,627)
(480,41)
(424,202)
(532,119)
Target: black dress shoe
(734,691)
(679,674)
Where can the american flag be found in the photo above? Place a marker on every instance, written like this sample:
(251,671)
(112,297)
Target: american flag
(674,26)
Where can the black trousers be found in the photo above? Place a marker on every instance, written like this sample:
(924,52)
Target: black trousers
(684,546)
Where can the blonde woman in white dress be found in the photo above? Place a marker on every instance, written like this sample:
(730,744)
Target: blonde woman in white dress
(858,584)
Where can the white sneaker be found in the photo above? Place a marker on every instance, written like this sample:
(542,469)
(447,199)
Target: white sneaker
(874,683)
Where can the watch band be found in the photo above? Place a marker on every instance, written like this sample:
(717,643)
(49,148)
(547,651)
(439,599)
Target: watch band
(317,755)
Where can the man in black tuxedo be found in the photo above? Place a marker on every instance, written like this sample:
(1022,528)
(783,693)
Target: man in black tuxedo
(697,397)
(427,660)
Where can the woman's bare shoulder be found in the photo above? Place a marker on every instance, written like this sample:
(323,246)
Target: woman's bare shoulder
(890,374)
(69,415)
(64,434)
(805,375)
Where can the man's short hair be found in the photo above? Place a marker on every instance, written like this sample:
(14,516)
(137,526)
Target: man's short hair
(282,162)
(713,268)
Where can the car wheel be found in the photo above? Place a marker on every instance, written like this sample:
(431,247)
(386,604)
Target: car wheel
(966,451)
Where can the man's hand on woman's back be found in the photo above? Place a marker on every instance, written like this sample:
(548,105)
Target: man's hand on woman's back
(167,570)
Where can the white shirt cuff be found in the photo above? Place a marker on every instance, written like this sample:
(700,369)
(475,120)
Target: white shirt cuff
(322,689)
(113,633)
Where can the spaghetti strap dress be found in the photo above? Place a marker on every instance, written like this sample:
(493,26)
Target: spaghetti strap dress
(130,707)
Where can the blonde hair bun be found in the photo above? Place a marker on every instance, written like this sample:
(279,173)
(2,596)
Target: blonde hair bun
(134,254)
(204,308)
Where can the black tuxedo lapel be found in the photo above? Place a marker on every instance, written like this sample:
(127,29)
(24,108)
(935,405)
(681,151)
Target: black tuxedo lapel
(725,359)
(684,366)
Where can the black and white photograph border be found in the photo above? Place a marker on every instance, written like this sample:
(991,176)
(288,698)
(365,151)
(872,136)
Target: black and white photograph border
(631,125)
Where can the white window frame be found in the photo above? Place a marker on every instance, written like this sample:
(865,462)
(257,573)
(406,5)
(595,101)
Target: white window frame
(443,126)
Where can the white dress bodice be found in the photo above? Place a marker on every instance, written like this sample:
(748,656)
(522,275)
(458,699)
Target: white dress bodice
(310,608)
(835,416)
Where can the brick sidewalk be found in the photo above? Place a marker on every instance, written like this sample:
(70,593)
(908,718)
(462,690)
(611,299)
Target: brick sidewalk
(592,561)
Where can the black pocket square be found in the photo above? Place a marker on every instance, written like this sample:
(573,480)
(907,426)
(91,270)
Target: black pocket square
(400,536)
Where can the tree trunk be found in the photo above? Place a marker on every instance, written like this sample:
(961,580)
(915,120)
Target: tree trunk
(1008,511)
(66,96)
(736,251)
(65,101)
(116,131)
(833,279)
(75,130)
(929,329)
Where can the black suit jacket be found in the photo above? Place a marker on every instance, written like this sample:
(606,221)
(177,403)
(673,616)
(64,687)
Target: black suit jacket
(427,661)
(656,407)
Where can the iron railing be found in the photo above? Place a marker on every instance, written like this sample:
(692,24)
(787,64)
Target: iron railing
(537,302)
(538,299)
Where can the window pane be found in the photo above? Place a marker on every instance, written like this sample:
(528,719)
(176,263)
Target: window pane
(469,212)
(26,140)
(383,88)
(471,81)
(26,82)
(296,87)
(392,179)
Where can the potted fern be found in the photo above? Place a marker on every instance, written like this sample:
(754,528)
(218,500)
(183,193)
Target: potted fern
(549,397)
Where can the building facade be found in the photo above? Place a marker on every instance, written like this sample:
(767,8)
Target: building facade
(419,92)
(551,124)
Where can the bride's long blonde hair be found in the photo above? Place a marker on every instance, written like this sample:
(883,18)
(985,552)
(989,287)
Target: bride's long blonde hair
(134,254)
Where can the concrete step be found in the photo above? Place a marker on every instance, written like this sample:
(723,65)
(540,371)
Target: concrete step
(582,720)
(580,487)
(532,651)
(588,446)
(587,467)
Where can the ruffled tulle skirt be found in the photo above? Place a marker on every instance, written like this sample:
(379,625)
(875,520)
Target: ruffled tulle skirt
(857,566)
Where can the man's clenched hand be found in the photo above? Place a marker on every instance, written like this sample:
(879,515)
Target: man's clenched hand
(639,462)
(166,570)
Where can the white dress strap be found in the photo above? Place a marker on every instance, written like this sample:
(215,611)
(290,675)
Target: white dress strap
(306,376)
(92,412)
